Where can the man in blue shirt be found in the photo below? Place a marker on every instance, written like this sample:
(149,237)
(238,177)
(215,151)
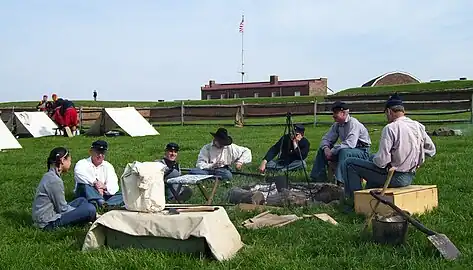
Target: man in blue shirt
(355,142)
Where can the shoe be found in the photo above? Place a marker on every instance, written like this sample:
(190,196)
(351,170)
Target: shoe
(185,194)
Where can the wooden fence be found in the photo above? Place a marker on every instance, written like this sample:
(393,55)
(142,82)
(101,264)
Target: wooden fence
(197,114)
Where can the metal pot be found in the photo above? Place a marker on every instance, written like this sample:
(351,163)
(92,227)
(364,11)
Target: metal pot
(390,229)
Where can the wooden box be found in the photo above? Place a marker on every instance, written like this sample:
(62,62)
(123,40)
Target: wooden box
(416,199)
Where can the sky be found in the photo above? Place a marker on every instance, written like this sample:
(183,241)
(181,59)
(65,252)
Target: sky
(166,50)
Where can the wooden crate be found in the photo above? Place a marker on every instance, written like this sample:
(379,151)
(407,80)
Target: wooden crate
(416,199)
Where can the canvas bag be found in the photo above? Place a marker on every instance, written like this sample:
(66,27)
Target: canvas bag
(143,186)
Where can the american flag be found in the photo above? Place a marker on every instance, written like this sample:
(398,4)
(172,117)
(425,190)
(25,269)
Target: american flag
(242,23)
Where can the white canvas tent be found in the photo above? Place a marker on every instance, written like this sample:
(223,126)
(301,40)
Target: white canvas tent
(127,118)
(37,124)
(7,140)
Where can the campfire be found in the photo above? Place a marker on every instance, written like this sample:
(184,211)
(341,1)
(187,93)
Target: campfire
(279,193)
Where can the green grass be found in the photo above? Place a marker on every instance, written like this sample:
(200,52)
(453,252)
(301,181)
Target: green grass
(305,244)
(91,103)
(443,86)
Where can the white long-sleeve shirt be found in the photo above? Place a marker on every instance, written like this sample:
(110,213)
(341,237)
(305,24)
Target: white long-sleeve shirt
(404,144)
(228,155)
(86,172)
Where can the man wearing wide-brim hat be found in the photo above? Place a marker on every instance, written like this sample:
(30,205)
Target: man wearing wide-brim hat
(404,144)
(218,157)
(354,142)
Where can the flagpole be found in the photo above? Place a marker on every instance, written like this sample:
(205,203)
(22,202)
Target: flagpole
(242,48)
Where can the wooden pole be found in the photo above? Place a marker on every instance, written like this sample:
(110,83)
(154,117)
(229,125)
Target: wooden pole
(315,113)
(242,109)
(80,118)
(182,113)
(471,109)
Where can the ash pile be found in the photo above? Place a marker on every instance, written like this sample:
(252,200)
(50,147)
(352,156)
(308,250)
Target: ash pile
(279,193)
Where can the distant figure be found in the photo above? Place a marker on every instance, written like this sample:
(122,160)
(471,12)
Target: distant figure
(42,104)
(95,95)
(54,97)
(65,115)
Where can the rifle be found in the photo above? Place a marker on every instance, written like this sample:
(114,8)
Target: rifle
(234,172)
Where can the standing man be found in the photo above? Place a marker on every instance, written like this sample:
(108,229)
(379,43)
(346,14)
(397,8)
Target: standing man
(355,142)
(291,152)
(173,170)
(95,95)
(217,157)
(404,144)
(96,179)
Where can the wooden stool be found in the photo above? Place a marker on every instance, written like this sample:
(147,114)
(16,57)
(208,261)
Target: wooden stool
(331,168)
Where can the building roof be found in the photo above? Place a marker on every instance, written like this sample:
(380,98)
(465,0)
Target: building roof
(252,85)
(375,80)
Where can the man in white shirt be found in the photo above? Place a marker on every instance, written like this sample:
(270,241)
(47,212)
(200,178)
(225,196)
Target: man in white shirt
(96,179)
(217,157)
(404,144)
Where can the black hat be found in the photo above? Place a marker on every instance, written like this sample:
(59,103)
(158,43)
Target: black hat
(222,136)
(299,128)
(172,146)
(393,100)
(100,145)
(339,105)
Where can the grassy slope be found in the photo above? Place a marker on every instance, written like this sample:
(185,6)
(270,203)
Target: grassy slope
(90,103)
(306,244)
(417,87)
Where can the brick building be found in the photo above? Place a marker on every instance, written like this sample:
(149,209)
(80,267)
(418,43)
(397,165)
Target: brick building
(392,78)
(272,88)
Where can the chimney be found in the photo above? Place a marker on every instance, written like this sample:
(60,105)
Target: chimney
(211,83)
(273,79)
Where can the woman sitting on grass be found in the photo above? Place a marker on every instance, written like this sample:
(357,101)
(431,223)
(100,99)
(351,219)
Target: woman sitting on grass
(50,209)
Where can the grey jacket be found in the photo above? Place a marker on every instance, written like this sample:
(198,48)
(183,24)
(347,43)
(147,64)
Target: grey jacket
(49,202)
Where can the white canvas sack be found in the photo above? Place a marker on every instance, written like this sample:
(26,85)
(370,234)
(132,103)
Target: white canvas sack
(143,186)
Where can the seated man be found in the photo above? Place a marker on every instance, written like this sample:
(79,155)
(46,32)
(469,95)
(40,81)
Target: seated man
(217,157)
(403,145)
(96,179)
(292,152)
(172,170)
(355,142)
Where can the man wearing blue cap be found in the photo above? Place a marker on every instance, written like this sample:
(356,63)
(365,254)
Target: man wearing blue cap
(404,144)
(96,179)
(173,170)
(354,138)
(291,152)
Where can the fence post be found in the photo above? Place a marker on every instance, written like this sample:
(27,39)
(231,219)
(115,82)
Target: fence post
(315,113)
(182,113)
(471,109)
(80,118)
(242,109)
